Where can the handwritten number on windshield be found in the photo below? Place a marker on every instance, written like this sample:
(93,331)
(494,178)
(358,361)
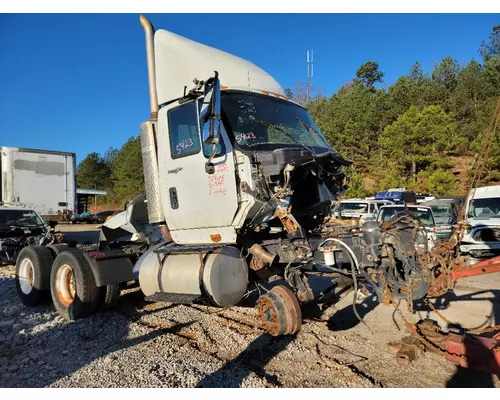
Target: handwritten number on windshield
(184,144)
(245,136)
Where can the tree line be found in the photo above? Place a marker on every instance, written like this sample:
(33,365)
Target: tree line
(118,171)
(422,132)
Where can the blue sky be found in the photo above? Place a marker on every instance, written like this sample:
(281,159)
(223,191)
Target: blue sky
(78,82)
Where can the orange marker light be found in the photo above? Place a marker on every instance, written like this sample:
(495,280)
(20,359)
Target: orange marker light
(215,238)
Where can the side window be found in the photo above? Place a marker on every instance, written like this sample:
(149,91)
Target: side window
(183,130)
(208,148)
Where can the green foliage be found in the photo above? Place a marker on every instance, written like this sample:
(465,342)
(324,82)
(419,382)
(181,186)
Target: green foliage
(355,185)
(492,47)
(423,123)
(351,120)
(127,175)
(391,179)
(416,138)
(93,173)
(441,183)
(445,74)
(369,74)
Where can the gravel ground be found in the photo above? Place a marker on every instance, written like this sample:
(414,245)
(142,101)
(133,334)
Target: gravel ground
(141,344)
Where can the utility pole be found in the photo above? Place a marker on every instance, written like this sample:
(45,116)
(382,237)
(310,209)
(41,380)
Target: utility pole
(309,72)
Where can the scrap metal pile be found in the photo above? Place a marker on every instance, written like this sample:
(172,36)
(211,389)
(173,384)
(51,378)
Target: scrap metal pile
(463,347)
(393,259)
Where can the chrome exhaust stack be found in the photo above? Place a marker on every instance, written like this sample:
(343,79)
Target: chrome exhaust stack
(150,56)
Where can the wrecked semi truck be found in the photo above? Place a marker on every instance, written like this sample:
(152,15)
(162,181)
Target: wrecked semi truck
(239,187)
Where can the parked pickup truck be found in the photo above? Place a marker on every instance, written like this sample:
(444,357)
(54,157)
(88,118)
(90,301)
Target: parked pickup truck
(482,212)
(365,210)
(447,212)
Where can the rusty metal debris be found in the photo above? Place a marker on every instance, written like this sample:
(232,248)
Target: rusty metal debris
(407,349)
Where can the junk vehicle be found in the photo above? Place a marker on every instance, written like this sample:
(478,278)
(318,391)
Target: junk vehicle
(447,212)
(423,197)
(419,213)
(21,227)
(239,185)
(481,238)
(39,179)
(397,197)
(362,209)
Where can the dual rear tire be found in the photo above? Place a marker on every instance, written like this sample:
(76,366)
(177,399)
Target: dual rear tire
(68,279)
(33,275)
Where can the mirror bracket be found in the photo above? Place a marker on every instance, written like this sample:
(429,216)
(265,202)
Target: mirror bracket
(209,168)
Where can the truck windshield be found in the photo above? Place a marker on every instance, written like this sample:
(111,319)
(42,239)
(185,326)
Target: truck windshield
(260,122)
(485,208)
(27,218)
(360,208)
(422,215)
(443,213)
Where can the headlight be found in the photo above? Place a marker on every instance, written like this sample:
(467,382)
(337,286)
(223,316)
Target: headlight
(487,235)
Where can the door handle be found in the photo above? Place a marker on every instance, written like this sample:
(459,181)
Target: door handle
(174,201)
(174,171)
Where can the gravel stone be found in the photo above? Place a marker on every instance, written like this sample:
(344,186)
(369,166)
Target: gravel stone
(13,367)
(186,346)
(7,324)
(31,322)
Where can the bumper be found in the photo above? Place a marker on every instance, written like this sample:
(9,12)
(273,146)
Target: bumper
(468,246)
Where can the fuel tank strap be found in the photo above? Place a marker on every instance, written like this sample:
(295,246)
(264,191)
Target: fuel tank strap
(173,248)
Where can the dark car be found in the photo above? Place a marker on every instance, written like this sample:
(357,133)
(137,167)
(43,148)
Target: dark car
(446,212)
(19,227)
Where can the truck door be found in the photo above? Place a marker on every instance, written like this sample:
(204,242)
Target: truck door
(195,198)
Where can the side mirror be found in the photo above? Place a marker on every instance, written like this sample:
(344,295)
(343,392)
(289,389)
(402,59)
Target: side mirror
(52,224)
(210,111)
(210,118)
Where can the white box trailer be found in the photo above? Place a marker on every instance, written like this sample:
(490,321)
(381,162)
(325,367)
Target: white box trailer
(41,179)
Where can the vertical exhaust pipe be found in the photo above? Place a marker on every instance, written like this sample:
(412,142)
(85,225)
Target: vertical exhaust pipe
(150,56)
(148,139)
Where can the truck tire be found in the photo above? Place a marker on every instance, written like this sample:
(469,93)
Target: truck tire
(33,275)
(72,285)
(57,249)
(109,296)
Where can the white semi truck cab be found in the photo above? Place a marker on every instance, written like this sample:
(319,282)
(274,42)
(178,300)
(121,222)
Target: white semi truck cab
(239,186)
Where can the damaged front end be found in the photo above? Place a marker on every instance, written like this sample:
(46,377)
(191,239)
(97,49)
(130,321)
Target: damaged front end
(291,227)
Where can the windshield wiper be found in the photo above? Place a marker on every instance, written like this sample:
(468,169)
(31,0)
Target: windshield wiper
(269,125)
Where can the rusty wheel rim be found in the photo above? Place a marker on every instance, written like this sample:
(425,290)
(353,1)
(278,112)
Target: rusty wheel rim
(65,285)
(292,310)
(268,315)
(280,312)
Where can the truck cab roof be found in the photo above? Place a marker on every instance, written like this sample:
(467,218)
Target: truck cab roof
(486,192)
(180,60)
